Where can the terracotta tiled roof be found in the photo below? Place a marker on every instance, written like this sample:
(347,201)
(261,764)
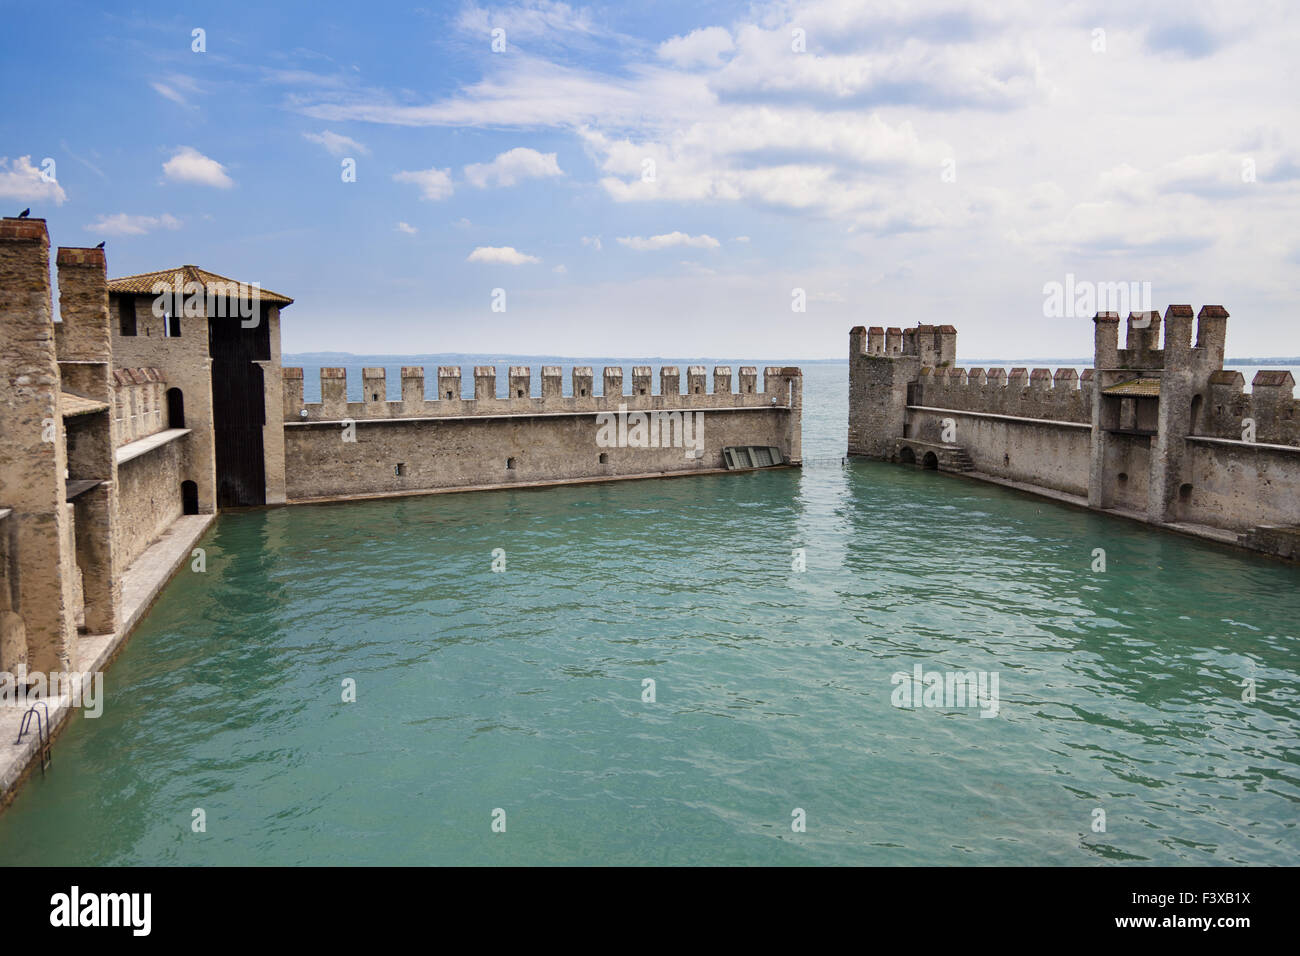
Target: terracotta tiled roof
(143,284)
(1140,387)
(70,405)
(1226,377)
(1272,377)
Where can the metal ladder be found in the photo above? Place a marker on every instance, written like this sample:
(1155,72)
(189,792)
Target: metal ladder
(42,732)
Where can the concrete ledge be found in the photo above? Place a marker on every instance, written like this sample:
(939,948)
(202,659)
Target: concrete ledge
(1064,497)
(1086,426)
(141,584)
(595,480)
(143,446)
(1204,532)
(1235,443)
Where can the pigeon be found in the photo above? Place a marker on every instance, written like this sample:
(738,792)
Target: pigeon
(100,246)
(25,213)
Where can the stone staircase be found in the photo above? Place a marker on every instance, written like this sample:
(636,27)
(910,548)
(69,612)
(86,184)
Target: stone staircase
(960,461)
(947,457)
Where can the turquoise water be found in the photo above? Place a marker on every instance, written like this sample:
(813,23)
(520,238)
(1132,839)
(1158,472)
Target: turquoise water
(522,690)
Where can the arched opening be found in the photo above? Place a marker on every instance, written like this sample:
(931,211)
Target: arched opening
(907,456)
(930,462)
(510,464)
(189,498)
(1197,403)
(604,458)
(1185,493)
(1123,477)
(175,409)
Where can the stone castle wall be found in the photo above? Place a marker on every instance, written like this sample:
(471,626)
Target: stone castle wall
(1040,393)
(149,498)
(416,444)
(1188,447)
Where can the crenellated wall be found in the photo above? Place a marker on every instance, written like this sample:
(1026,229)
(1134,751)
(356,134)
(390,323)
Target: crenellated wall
(336,448)
(139,403)
(1156,430)
(1270,405)
(584,396)
(1040,393)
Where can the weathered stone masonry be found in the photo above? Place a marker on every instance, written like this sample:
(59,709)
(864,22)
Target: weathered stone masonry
(1161,434)
(416,444)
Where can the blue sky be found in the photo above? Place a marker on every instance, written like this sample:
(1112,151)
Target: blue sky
(897,162)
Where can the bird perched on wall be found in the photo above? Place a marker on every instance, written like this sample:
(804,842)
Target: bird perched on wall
(100,246)
(25,213)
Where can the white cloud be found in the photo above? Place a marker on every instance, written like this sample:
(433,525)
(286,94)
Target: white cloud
(529,19)
(122,224)
(434,183)
(500,255)
(188,165)
(21,180)
(163,89)
(407,228)
(174,87)
(742,239)
(336,144)
(837,152)
(512,166)
(669,239)
(560,269)
(593,241)
(702,47)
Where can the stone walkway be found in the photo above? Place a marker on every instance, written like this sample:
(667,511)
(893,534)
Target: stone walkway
(1206,532)
(141,583)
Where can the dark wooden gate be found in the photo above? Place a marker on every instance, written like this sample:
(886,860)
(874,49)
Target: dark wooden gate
(238,410)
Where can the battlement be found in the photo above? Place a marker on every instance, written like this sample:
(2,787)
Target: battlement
(934,345)
(782,388)
(1156,429)
(1142,344)
(1063,395)
(139,404)
(1270,406)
